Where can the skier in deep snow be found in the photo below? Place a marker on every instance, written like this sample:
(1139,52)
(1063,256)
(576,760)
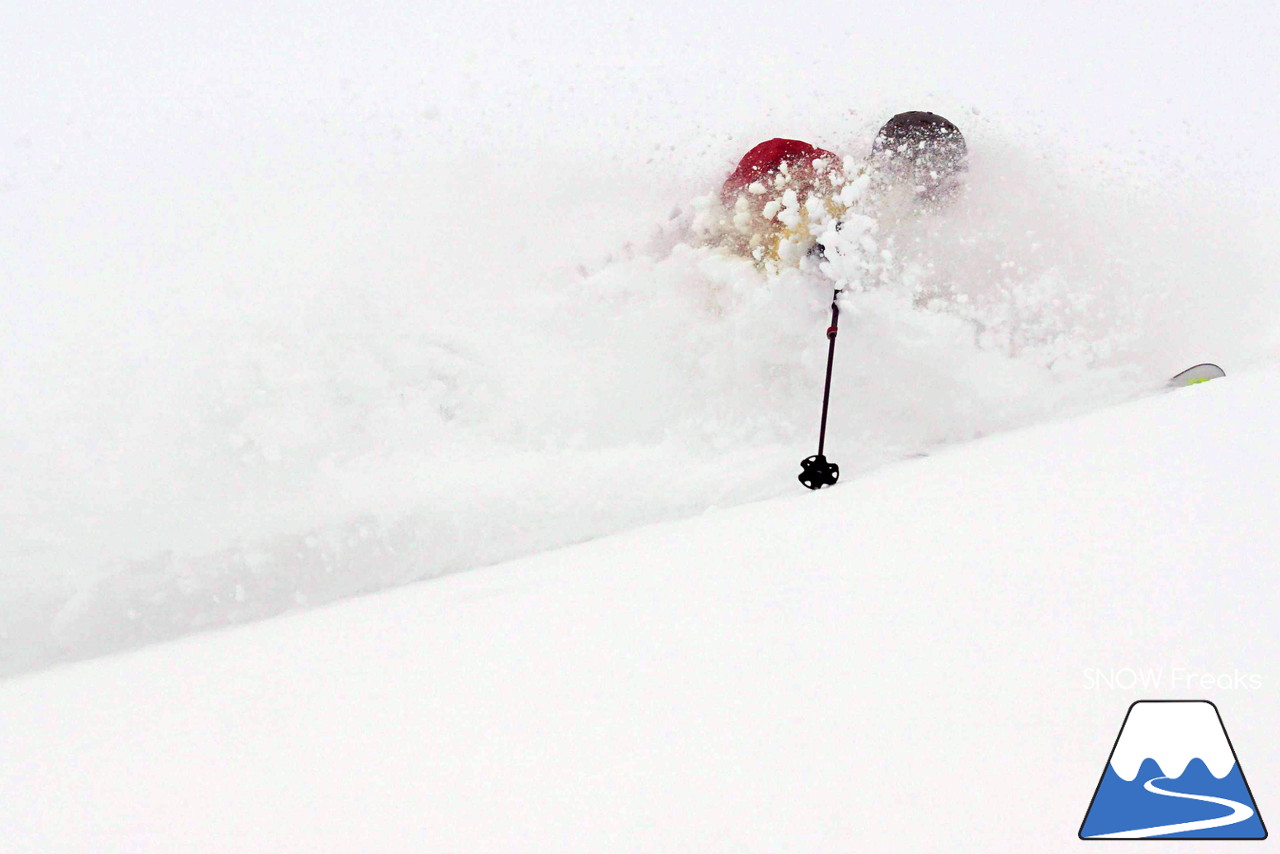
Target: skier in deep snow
(923,154)
(785,193)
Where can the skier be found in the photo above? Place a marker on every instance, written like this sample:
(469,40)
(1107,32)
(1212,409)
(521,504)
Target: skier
(792,159)
(779,198)
(921,153)
(785,193)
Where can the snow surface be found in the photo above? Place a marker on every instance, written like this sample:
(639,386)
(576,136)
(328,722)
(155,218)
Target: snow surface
(894,664)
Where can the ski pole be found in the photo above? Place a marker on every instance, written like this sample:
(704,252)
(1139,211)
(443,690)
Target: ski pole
(816,472)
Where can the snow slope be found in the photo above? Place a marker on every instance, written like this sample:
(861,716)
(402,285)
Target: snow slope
(899,663)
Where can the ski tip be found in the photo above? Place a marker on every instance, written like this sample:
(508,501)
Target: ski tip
(1201,373)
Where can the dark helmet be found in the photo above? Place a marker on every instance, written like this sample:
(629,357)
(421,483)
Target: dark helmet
(924,148)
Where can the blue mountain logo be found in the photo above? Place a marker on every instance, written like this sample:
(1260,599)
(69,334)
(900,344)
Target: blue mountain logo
(1173,774)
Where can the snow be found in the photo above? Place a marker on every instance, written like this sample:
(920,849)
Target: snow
(337,301)
(301,306)
(805,673)
(303,444)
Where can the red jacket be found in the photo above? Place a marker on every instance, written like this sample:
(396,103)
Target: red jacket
(767,158)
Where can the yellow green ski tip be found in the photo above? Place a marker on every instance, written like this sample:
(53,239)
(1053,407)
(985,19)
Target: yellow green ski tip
(1201,373)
